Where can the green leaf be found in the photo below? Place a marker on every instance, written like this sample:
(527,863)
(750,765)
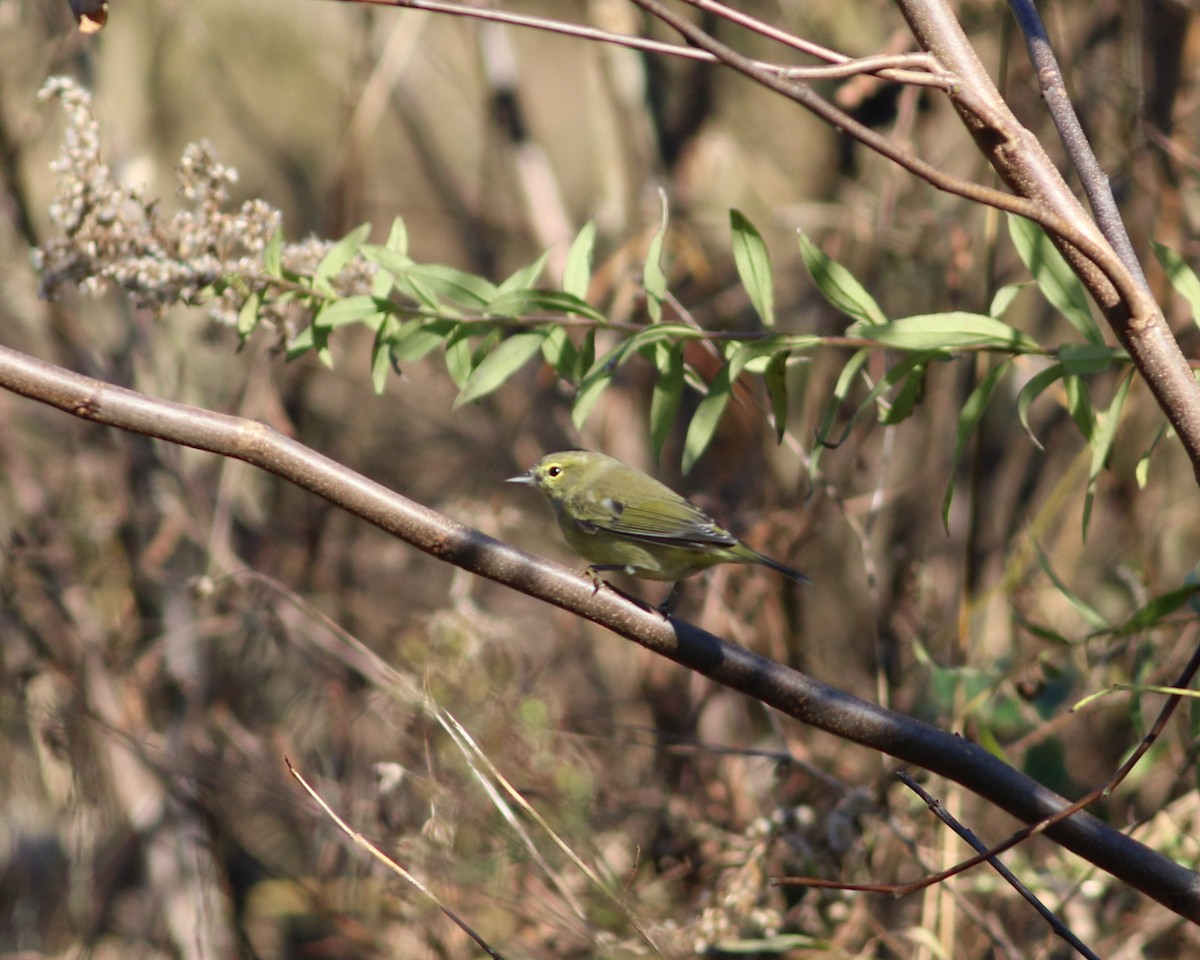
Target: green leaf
(955,330)
(585,356)
(753,266)
(577,272)
(457,286)
(1003,299)
(526,277)
(1054,277)
(273,255)
(838,285)
(1034,388)
(381,359)
(668,390)
(972,412)
(397,241)
(585,400)
(911,390)
(416,338)
(654,280)
(1102,443)
(559,350)
(1151,614)
(393,261)
(705,419)
(356,309)
(775,380)
(460,357)
(1079,405)
(1081,359)
(248,316)
(841,391)
(1089,614)
(509,356)
(1183,278)
(341,253)
(523,302)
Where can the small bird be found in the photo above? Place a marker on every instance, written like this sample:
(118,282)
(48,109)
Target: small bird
(617,518)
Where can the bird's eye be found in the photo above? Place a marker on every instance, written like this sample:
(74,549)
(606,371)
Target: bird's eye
(553,472)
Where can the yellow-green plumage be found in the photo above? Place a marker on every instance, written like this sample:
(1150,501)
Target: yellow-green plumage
(617,518)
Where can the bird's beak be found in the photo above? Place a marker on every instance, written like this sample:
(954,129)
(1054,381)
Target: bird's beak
(525,478)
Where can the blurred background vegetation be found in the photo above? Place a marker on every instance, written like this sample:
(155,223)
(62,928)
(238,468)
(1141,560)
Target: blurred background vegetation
(174,625)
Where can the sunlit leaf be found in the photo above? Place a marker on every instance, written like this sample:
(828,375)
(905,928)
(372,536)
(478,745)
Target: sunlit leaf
(341,253)
(706,418)
(838,285)
(753,266)
(1102,442)
(1183,278)
(946,331)
(1034,388)
(248,316)
(1003,299)
(524,302)
(526,277)
(668,390)
(1057,281)
(507,358)
(273,255)
(654,280)
(356,309)
(577,272)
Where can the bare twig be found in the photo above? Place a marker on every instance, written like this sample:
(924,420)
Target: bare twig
(1062,112)
(940,811)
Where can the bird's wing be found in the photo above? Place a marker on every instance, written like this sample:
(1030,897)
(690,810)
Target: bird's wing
(664,520)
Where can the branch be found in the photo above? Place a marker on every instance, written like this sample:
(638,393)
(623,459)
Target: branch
(787,690)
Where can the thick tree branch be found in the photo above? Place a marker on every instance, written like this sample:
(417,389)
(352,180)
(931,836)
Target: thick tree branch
(787,690)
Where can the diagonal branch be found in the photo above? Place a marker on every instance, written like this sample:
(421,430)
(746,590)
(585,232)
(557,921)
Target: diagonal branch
(787,690)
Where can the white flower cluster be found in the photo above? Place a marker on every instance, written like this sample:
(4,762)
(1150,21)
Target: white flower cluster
(112,234)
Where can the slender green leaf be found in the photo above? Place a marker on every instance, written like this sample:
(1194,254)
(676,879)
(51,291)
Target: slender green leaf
(586,398)
(586,356)
(1034,387)
(356,309)
(341,253)
(1151,613)
(946,331)
(775,380)
(457,286)
(526,277)
(381,358)
(559,351)
(460,357)
(912,389)
(968,420)
(1081,359)
(1102,443)
(753,266)
(1183,278)
(523,302)
(397,241)
(705,419)
(577,272)
(1079,405)
(1054,277)
(248,316)
(393,261)
(838,285)
(509,356)
(1088,613)
(654,280)
(273,255)
(1003,299)
(416,338)
(668,390)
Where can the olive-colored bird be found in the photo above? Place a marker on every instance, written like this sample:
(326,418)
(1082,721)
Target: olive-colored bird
(617,518)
